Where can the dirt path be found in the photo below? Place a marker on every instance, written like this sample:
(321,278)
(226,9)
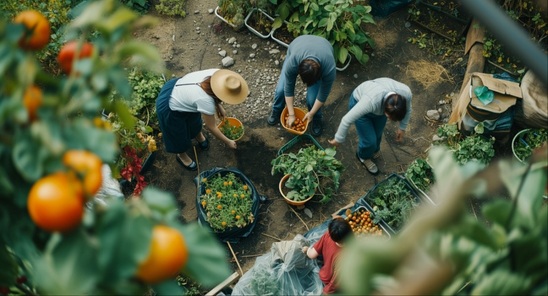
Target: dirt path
(193,43)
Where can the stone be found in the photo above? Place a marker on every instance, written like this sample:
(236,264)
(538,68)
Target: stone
(274,51)
(222,53)
(254,46)
(232,40)
(433,114)
(308,212)
(227,61)
(210,11)
(251,55)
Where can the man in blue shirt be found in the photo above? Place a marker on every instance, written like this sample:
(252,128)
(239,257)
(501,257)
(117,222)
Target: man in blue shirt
(312,58)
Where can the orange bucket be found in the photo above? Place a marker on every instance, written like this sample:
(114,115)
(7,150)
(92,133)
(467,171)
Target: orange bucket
(299,115)
(233,128)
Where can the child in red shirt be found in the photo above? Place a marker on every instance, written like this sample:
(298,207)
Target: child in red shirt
(329,246)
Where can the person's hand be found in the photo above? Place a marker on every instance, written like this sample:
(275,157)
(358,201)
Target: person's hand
(333,142)
(232,144)
(399,135)
(290,120)
(308,117)
(304,249)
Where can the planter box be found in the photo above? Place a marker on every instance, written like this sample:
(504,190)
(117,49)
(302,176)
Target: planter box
(343,67)
(259,23)
(219,15)
(391,182)
(382,225)
(438,21)
(282,36)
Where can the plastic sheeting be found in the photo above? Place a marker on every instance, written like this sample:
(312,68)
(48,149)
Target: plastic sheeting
(285,270)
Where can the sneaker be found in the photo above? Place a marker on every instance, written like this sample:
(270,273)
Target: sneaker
(317,127)
(377,154)
(369,165)
(274,118)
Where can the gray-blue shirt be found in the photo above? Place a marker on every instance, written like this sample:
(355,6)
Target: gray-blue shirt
(370,95)
(310,47)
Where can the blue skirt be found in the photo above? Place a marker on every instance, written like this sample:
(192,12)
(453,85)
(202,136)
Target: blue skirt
(178,128)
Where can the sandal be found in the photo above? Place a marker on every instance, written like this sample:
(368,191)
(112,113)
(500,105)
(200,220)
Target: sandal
(191,167)
(369,165)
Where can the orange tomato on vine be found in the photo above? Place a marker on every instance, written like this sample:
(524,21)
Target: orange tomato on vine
(37,29)
(168,254)
(88,167)
(55,202)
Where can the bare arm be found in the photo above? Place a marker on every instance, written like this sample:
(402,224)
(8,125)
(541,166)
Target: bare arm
(310,252)
(212,127)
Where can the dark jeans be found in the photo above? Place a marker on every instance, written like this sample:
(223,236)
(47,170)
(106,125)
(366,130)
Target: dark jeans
(311,94)
(369,128)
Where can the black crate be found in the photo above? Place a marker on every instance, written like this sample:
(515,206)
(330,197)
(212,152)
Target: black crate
(298,142)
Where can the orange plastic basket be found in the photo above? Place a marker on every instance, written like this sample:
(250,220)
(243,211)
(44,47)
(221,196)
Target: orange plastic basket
(232,121)
(299,113)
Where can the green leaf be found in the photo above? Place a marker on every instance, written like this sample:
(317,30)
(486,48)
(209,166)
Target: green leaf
(497,211)
(142,55)
(124,240)
(68,266)
(502,282)
(168,288)
(159,201)
(208,261)
(121,17)
(8,272)
(27,159)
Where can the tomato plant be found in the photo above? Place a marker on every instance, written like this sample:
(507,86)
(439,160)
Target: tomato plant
(50,235)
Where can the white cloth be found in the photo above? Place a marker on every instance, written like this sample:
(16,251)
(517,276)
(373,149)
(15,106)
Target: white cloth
(188,96)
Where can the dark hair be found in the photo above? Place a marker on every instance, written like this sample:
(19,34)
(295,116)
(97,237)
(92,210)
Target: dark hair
(309,71)
(206,86)
(339,229)
(395,107)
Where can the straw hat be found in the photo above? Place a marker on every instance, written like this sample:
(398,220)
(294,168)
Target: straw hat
(229,86)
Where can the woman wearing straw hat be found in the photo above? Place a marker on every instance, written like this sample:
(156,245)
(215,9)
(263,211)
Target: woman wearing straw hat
(183,102)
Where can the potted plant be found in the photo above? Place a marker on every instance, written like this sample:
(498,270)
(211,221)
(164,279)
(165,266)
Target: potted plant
(232,12)
(527,140)
(227,202)
(259,23)
(339,21)
(232,128)
(311,171)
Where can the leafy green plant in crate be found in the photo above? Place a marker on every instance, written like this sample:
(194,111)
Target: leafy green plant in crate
(459,254)
(392,202)
(312,171)
(420,173)
(234,11)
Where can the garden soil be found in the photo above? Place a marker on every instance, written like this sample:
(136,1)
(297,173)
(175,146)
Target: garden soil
(193,43)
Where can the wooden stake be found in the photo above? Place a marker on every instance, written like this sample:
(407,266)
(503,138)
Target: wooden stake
(299,217)
(271,236)
(235,258)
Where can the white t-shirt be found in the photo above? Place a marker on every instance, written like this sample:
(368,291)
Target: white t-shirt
(188,96)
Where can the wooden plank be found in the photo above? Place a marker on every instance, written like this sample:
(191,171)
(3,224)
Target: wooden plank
(229,280)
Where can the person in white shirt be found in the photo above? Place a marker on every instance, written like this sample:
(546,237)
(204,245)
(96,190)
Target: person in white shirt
(184,102)
(370,105)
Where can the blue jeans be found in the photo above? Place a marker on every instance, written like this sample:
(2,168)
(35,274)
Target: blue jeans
(369,128)
(311,94)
